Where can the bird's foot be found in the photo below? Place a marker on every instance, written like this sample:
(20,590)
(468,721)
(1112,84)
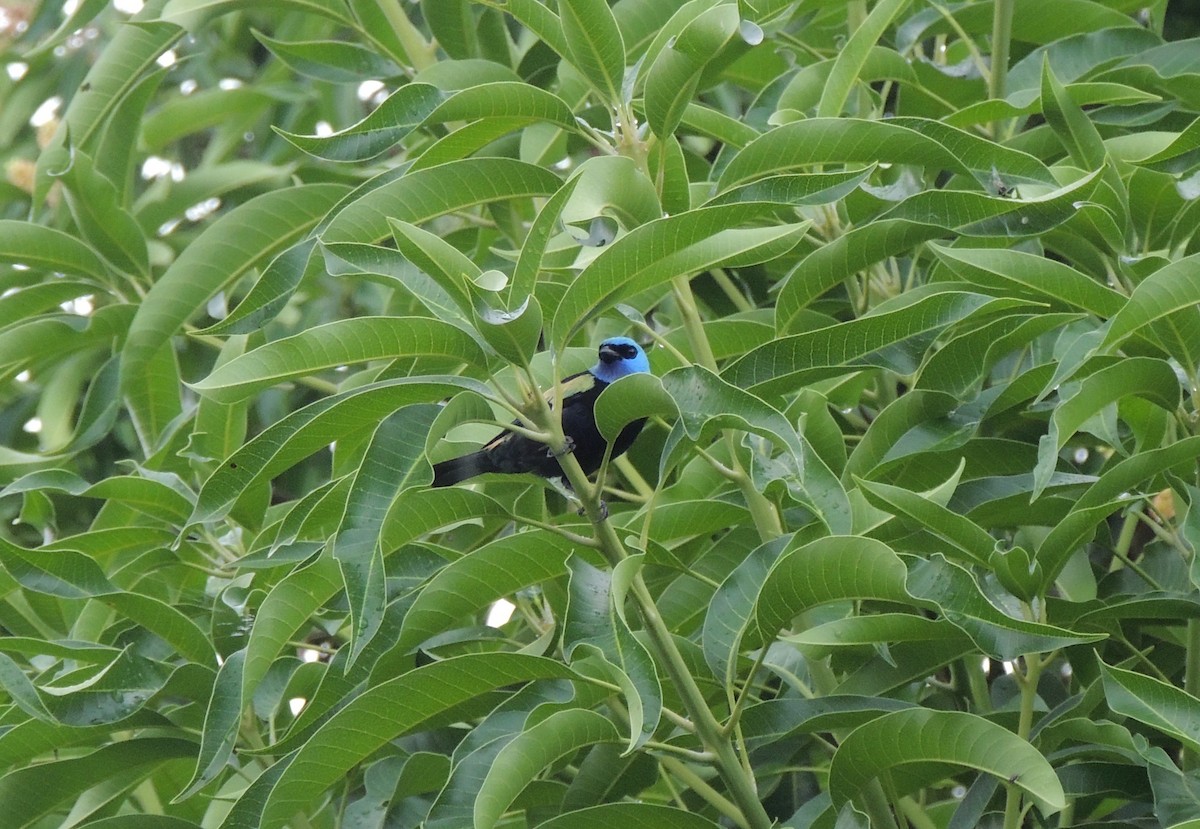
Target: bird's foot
(603,510)
(568,447)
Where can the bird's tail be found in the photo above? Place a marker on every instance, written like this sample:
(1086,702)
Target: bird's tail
(459,469)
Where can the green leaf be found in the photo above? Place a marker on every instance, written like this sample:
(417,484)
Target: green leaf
(331,60)
(1073,128)
(788,362)
(853,55)
(594,45)
(1103,496)
(777,719)
(956,593)
(782,578)
(929,741)
(220,725)
(23,693)
(48,249)
(655,252)
(560,734)
(498,568)
(1166,292)
(33,793)
(418,104)
(98,209)
(288,605)
(387,711)
(311,428)
(157,498)
(132,51)
(334,344)
(877,629)
(705,402)
(611,186)
(181,117)
(971,541)
(595,621)
(630,815)
(423,194)
(249,234)
(417,512)
(391,464)
(404,110)
(852,141)
(673,77)
(1005,271)
(1163,707)
(796,189)
(927,215)
(1144,377)
(631,398)
(69,574)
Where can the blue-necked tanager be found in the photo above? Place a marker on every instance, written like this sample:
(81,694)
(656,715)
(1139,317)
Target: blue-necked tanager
(512,452)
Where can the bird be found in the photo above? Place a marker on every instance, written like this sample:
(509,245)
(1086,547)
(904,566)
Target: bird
(511,452)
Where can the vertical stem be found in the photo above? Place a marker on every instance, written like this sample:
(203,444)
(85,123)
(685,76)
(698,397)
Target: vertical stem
(873,800)
(692,322)
(697,784)
(1029,684)
(740,784)
(1125,538)
(856,15)
(765,515)
(1002,17)
(420,51)
(1191,682)
(915,815)
(735,296)
(875,804)
(741,787)
(762,510)
(977,682)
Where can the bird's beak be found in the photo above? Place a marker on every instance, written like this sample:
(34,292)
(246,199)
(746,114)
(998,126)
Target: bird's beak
(608,354)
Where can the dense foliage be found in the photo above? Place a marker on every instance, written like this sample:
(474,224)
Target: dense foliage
(910,536)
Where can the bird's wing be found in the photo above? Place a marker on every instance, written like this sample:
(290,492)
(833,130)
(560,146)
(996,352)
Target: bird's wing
(579,383)
(575,384)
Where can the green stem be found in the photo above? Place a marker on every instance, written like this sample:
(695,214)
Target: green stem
(726,761)
(765,515)
(692,323)
(977,682)
(420,52)
(735,296)
(740,786)
(875,803)
(915,815)
(1002,18)
(1125,542)
(740,704)
(639,484)
(1191,682)
(697,784)
(856,15)
(762,510)
(1028,684)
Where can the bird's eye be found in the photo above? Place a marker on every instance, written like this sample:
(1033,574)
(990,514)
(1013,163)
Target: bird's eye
(628,352)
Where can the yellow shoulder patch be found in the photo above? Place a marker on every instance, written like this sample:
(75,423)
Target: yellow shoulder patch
(575,384)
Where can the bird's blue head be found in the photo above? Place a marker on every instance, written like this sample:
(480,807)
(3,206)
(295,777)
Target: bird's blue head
(619,356)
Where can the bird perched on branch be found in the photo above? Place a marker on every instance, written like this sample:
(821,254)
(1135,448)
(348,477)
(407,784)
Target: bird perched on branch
(513,452)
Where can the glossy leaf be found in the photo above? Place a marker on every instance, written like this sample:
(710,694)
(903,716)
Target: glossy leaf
(920,736)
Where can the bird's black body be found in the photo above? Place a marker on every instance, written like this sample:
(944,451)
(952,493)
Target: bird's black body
(510,452)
